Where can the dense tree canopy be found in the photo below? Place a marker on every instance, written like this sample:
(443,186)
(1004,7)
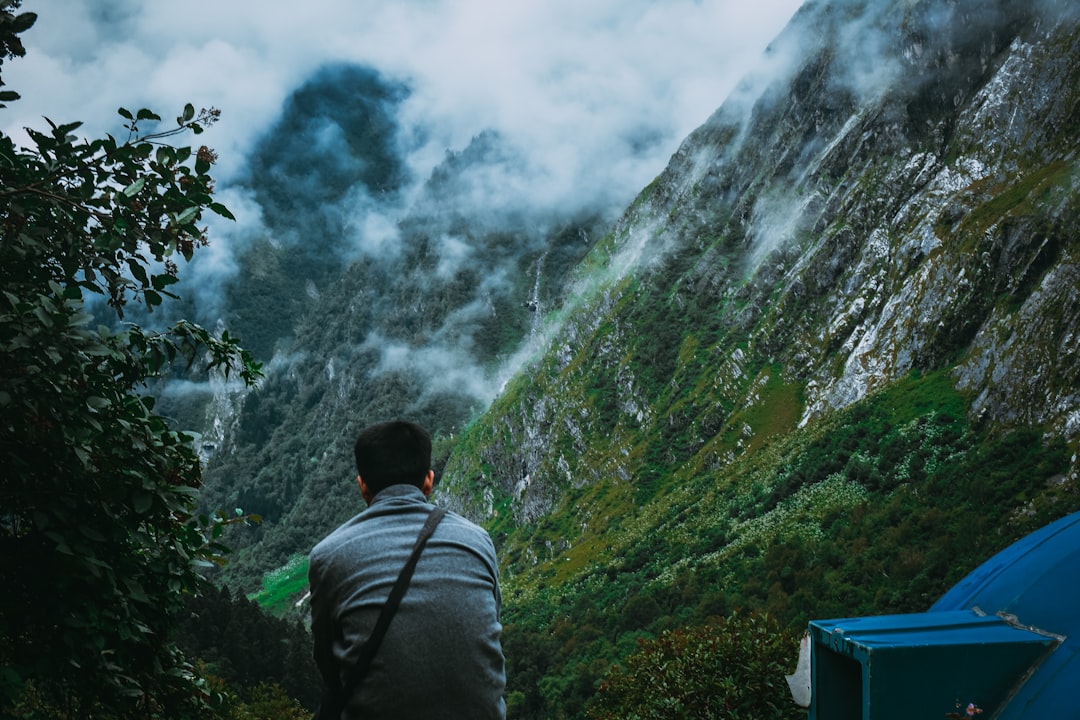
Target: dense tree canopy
(99,538)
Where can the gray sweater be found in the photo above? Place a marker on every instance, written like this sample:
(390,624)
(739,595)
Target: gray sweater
(441,657)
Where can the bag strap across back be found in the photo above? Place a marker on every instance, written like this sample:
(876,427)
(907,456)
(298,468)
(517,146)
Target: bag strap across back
(371,646)
(367,651)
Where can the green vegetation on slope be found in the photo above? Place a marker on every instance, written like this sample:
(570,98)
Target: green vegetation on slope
(285,587)
(879,510)
(732,668)
(672,458)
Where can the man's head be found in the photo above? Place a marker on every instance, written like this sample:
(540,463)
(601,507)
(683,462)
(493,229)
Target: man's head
(393,453)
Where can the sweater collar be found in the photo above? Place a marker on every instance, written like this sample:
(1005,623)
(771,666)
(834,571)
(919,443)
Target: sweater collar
(403,492)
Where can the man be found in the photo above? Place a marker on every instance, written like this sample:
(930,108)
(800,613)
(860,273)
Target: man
(441,656)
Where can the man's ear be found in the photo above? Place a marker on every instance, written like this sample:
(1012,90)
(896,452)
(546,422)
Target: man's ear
(429,483)
(364,490)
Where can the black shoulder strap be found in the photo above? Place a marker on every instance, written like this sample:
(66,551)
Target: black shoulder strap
(371,646)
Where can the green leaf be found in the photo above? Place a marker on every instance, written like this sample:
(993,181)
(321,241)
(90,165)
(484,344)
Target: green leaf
(135,590)
(60,541)
(43,316)
(142,501)
(138,271)
(91,533)
(125,113)
(189,112)
(163,280)
(221,210)
(66,130)
(135,187)
(21,23)
(188,215)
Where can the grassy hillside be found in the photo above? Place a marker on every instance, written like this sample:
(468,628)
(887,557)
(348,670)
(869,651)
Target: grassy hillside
(879,509)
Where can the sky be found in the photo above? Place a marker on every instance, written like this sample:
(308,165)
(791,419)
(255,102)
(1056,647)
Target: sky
(594,96)
(570,79)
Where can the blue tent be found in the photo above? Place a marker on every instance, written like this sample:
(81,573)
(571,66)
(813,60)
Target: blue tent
(1036,580)
(1006,637)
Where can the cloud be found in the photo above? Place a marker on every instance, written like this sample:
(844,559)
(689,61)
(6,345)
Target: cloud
(584,104)
(601,92)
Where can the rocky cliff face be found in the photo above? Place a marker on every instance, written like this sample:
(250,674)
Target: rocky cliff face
(896,192)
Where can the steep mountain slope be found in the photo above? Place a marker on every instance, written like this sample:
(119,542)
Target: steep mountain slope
(841,236)
(823,365)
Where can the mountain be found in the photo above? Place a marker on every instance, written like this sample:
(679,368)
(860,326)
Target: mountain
(828,233)
(823,365)
(370,296)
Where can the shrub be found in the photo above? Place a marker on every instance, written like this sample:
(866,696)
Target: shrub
(733,668)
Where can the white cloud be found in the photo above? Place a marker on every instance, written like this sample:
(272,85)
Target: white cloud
(590,98)
(577,83)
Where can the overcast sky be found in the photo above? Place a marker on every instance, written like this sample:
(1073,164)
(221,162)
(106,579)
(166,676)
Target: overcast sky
(560,76)
(594,95)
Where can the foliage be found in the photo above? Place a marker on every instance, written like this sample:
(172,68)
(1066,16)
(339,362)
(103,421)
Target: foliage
(99,538)
(239,643)
(268,702)
(732,669)
(880,508)
(11,25)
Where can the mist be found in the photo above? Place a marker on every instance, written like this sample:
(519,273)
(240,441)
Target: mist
(596,95)
(479,121)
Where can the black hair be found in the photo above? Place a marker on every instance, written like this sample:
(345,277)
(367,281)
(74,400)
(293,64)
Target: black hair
(393,453)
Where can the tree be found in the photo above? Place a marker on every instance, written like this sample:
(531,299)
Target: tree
(99,536)
(732,669)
